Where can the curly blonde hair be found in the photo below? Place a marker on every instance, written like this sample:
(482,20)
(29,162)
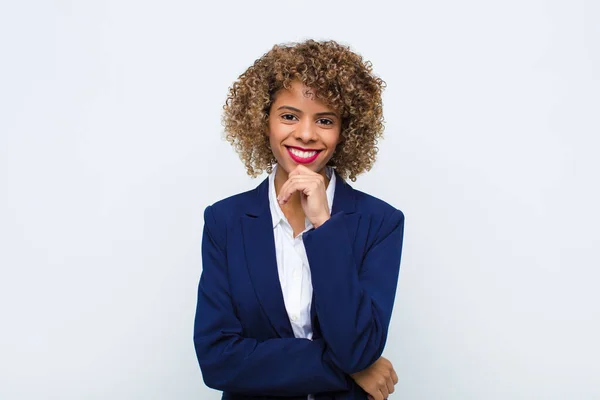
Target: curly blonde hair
(341,79)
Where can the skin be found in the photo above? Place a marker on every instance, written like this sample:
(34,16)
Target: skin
(378,380)
(298,118)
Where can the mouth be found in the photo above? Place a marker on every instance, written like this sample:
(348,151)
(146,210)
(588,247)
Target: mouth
(303,156)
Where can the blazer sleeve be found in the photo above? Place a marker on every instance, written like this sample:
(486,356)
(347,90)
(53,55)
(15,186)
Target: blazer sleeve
(354,302)
(233,363)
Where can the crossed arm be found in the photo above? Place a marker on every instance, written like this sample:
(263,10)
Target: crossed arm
(353,336)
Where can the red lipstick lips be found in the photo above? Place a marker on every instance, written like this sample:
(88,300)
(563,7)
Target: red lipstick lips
(302,160)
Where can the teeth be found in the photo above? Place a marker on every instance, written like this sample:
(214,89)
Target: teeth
(303,154)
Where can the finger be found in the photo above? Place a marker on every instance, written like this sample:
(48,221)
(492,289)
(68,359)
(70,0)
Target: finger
(285,191)
(394,377)
(295,171)
(384,393)
(291,188)
(390,385)
(306,186)
(282,193)
(314,182)
(301,170)
(285,188)
(377,395)
(382,386)
(306,173)
(307,180)
(316,179)
(374,393)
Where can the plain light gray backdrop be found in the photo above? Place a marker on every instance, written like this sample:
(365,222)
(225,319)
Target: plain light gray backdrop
(111,147)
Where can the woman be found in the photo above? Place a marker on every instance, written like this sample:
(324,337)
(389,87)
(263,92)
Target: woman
(300,273)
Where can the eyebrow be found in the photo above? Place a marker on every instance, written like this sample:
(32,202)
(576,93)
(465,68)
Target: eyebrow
(300,111)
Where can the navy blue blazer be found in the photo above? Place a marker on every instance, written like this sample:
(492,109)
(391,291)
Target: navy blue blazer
(242,335)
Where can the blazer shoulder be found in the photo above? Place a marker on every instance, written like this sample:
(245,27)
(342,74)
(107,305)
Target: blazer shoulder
(219,216)
(381,218)
(376,207)
(231,207)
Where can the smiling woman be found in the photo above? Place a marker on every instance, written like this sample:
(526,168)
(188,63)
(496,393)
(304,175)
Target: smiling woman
(302,129)
(300,274)
(341,81)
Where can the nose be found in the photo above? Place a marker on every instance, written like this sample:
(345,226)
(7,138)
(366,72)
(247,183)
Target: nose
(306,131)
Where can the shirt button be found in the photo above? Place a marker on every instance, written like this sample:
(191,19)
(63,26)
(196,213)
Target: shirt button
(294,317)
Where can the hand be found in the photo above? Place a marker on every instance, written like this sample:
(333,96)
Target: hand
(378,380)
(313,196)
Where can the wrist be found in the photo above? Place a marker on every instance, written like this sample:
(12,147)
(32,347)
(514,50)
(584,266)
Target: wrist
(321,221)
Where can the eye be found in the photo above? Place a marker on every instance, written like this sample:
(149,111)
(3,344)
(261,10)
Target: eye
(325,121)
(288,117)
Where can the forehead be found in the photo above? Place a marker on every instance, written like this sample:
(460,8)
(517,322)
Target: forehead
(301,96)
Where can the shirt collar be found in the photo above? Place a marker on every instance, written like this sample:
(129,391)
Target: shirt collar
(277,213)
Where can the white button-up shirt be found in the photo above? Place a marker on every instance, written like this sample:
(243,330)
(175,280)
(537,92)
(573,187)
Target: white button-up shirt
(292,262)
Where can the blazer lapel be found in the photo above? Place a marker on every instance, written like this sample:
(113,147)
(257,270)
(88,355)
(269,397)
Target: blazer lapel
(343,201)
(343,198)
(259,245)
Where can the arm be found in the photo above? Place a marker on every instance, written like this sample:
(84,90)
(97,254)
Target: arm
(230,362)
(354,303)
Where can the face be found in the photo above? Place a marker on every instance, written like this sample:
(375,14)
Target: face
(302,129)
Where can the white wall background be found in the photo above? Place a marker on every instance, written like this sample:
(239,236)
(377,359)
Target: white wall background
(110,148)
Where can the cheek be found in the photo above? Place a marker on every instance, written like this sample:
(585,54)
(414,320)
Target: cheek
(271,125)
(336,140)
(279,130)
